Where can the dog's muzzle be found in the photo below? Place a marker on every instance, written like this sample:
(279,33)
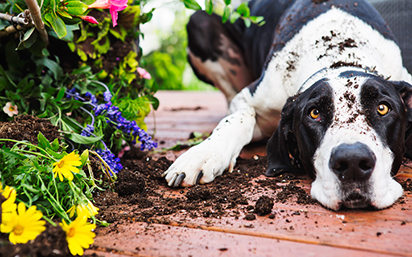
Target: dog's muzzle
(353,164)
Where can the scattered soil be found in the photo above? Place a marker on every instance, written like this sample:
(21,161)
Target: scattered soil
(141,193)
(341,64)
(407,185)
(230,195)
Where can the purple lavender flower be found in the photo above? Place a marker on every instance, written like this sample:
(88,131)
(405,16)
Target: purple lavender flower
(92,98)
(114,117)
(107,96)
(129,128)
(87,131)
(111,160)
(72,93)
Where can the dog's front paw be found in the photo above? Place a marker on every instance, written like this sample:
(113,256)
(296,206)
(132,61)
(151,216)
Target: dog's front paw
(200,164)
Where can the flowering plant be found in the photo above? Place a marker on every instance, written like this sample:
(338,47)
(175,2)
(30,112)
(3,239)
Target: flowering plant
(29,171)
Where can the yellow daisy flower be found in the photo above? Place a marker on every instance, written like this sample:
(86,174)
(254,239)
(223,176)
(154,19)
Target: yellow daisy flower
(88,210)
(8,207)
(93,210)
(66,166)
(79,234)
(24,225)
(7,192)
(71,211)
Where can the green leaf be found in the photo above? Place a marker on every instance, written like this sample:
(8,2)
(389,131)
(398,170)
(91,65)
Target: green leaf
(64,14)
(8,83)
(209,6)
(192,4)
(70,36)
(256,19)
(53,66)
(25,43)
(77,138)
(243,10)
(56,23)
(43,101)
(247,23)
(42,141)
(234,16)
(55,145)
(119,33)
(84,156)
(102,46)
(76,8)
(132,109)
(60,95)
(155,102)
(227,2)
(226,14)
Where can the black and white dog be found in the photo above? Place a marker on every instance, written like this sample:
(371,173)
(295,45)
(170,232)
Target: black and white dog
(332,71)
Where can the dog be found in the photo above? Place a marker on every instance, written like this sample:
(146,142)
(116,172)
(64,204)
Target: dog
(323,80)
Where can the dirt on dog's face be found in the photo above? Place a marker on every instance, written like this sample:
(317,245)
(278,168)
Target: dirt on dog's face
(348,132)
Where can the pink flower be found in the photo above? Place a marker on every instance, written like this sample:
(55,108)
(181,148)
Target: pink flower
(113,5)
(90,19)
(10,109)
(123,151)
(143,73)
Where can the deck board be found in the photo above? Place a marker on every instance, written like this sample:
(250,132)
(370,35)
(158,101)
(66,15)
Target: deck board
(315,231)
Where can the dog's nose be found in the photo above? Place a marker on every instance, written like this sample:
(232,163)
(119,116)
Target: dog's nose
(352,162)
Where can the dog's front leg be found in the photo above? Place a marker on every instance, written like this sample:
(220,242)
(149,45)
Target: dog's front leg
(202,163)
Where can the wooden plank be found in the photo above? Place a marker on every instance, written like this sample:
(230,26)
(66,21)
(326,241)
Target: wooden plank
(139,239)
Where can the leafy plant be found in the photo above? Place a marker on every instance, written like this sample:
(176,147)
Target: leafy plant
(32,171)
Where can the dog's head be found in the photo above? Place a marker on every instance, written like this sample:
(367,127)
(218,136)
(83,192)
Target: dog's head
(350,131)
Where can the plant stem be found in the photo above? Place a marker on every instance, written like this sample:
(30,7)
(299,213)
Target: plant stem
(106,166)
(59,208)
(29,144)
(38,22)
(50,221)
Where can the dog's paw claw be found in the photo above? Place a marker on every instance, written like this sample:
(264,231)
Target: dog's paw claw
(172,180)
(179,179)
(199,177)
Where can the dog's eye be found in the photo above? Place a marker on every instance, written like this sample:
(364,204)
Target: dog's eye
(315,114)
(383,109)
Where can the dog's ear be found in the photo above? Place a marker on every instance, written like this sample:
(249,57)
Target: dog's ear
(282,144)
(405,91)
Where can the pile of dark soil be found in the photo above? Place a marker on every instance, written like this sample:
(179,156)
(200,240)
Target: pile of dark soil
(27,127)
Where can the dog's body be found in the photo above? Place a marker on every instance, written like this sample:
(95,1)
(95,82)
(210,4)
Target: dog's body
(343,121)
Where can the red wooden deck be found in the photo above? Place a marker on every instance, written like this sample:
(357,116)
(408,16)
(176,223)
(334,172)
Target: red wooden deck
(306,231)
